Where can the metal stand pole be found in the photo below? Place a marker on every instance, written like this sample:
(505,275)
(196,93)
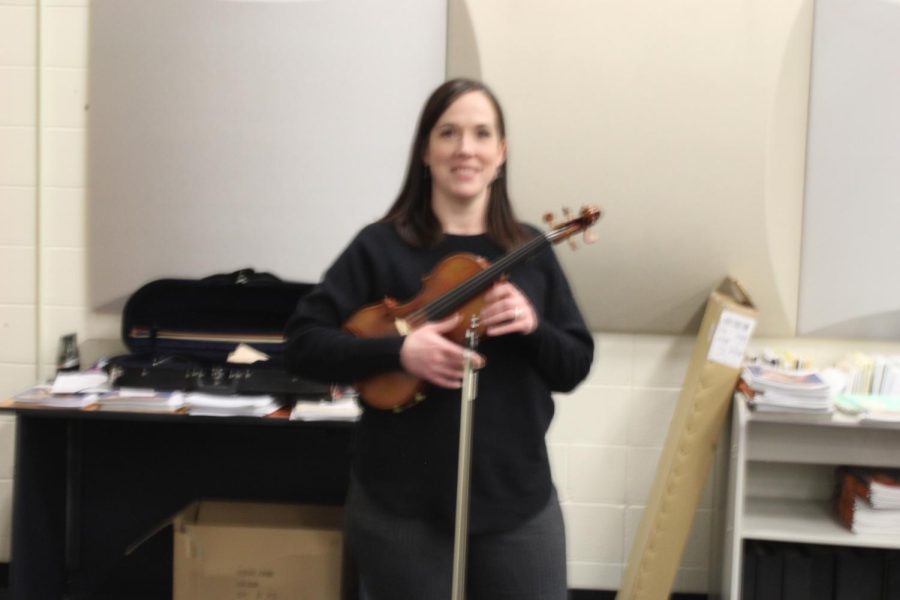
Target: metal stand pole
(461,531)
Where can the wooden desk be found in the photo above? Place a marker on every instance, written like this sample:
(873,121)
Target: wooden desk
(89,484)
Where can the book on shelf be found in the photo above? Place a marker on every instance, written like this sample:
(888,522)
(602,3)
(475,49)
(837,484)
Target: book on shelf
(872,374)
(861,511)
(879,486)
(784,404)
(796,383)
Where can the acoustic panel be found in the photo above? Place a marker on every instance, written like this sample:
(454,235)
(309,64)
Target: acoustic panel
(685,122)
(849,285)
(225,135)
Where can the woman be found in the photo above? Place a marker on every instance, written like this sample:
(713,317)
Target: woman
(401,504)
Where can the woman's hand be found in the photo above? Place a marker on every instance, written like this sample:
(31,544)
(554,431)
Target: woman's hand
(428,355)
(507,310)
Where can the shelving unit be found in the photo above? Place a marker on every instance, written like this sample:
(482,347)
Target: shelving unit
(770,442)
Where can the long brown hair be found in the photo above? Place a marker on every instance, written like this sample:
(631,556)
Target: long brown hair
(412,213)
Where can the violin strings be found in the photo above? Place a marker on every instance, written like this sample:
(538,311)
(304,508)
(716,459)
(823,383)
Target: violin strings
(460,293)
(469,287)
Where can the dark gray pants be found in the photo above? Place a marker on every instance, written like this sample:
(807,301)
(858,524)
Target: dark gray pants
(407,559)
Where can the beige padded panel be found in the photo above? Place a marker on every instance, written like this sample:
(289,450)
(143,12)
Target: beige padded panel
(685,122)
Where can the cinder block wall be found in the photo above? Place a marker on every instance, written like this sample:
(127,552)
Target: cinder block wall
(42,190)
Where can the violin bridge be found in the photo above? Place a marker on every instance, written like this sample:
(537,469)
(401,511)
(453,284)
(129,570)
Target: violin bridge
(402,326)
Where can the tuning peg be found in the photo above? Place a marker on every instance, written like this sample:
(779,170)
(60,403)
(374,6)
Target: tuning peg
(573,244)
(548,219)
(567,213)
(589,237)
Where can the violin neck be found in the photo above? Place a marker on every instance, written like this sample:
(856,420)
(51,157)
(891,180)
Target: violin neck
(448,303)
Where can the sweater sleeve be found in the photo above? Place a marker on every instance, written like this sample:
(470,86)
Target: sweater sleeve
(317,347)
(561,347)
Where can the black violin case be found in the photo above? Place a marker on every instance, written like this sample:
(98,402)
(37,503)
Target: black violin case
(180,333)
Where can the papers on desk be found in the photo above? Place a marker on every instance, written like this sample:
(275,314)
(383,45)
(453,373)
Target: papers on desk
(141,400)
(79,382)
(230,406)
(70,389)
(345,408)
(42,395)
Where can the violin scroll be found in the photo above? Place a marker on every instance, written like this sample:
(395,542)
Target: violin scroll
(587,216)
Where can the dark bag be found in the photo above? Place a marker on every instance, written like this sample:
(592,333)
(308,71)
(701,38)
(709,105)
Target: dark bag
(181,331)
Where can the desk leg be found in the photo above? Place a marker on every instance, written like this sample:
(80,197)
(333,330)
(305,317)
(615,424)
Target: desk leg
(37,569)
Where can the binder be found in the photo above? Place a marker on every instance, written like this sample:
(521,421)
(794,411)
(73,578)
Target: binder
(892,575)
(798,572)
(769,573)
(822,567)
(748,576)
(858,574)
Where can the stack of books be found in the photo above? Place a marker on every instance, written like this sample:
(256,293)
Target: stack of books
(867,500)
(768,389)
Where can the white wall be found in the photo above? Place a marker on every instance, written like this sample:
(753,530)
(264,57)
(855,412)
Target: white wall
(604,443)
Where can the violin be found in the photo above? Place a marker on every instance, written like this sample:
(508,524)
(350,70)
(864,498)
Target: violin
(456,284)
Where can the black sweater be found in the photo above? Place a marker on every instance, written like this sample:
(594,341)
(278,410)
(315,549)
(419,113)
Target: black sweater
(407,461)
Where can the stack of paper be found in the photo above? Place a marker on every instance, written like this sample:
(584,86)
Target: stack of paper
(75,389)
(868,499)
(777,390)
(42,395)
(141,400)
(80,382)
(341,409)
(222,406)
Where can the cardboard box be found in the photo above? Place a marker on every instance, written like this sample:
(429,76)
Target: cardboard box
(255,551)
(689,451)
